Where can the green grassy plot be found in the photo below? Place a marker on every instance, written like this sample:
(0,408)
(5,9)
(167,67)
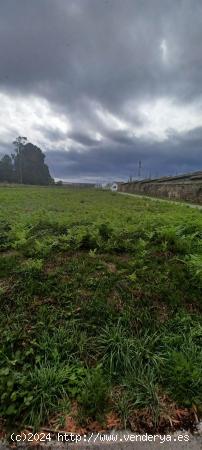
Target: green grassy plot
(100,308)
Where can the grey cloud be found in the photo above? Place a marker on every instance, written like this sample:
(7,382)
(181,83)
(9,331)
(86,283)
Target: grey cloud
(121,136)
(83,54)
(82,138)
(52,134)
(106,50)
(112,161)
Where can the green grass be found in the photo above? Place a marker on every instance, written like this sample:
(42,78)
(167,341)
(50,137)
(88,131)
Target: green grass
(100,305)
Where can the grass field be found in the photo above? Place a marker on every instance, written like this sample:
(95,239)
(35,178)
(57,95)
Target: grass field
(100,321)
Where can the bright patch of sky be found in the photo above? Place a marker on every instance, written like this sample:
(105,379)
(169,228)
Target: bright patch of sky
(30,116)
(164,114)
(164,51)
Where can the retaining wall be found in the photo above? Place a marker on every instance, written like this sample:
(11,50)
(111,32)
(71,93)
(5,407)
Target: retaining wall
(190,192)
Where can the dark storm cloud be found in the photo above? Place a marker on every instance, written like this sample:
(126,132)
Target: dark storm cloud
(121,137)
(86,56)
(53,134)
(106,50)
(82,138)
(120,161)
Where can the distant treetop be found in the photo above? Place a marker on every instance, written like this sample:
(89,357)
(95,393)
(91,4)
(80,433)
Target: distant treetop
(26,165)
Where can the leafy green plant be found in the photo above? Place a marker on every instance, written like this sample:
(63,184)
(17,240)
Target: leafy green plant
(48,385)
(32,266)
(142,390)
(182,375)
(5,241)
(117,348)
(38,393)
(94,394)
(194,265)
(104,231)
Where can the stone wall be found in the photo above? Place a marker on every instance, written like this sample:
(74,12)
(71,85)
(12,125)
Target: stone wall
(185,191)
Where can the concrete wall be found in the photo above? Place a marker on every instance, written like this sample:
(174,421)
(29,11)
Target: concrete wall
(187,191)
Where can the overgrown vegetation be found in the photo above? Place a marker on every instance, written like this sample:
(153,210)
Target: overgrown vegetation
(100,309)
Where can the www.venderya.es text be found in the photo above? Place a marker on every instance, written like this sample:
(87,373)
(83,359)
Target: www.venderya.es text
(99,437)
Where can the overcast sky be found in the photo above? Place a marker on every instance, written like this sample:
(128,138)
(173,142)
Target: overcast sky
(102,84)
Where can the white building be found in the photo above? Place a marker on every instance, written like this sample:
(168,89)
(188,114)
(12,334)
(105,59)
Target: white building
(114,187)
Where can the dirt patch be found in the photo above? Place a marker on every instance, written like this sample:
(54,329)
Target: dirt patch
(110,267)
(115,300)
(171,419)
(8,253)
(6,286)
(162,311)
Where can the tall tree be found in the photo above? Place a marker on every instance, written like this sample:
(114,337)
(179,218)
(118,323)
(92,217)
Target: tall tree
(29,163)
(19,144)
(6,169)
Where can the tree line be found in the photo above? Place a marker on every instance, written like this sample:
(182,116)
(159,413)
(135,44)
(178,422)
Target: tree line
(26,165)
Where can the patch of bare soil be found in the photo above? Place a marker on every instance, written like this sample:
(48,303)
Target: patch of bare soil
(115,300)
(171,418)
(8,253)
(110,267)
